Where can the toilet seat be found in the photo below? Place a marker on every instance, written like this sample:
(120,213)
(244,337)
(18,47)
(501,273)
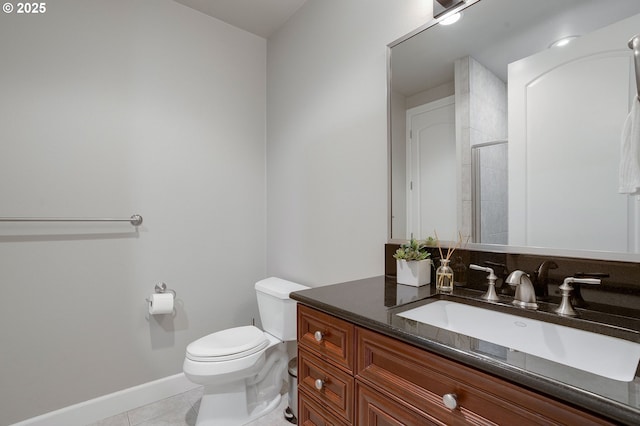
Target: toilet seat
(229,344)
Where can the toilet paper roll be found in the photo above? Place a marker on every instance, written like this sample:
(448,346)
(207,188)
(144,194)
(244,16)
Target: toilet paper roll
(161,303)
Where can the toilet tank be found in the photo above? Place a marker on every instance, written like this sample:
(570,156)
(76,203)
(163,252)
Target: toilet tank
(277,310)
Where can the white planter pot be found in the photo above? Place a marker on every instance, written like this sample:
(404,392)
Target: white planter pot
(415,272)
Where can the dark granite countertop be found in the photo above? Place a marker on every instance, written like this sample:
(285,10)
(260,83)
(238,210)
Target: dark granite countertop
(374,303)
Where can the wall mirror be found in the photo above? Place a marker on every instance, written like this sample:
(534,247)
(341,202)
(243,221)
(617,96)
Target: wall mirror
(499,135)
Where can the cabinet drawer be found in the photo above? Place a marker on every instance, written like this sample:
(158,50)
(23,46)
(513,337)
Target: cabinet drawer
(326,336)
(311,414)
(328,385)
(422,379)
(374,408)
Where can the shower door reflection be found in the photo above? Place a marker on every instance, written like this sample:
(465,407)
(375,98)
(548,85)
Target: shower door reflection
(490,202)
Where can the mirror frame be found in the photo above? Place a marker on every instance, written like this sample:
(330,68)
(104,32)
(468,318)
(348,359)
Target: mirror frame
(493,248)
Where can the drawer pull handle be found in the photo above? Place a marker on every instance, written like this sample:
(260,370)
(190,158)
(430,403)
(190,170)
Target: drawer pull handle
(320,384)
(318,335)
(450,400)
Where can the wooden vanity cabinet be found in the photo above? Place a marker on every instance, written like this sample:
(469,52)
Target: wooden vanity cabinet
(377,380)
(419,380)
(326,357)
(310,413)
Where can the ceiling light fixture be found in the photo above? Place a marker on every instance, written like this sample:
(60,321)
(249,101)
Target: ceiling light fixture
(450,18)
(563,41)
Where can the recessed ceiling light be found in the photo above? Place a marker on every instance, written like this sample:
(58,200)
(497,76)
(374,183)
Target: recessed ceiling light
(450,19)
(563,41)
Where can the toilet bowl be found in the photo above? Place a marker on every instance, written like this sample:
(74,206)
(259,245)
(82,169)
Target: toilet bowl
(243,369)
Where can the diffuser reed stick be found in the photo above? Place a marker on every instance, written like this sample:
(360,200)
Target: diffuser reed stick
(444,274)
(450,250)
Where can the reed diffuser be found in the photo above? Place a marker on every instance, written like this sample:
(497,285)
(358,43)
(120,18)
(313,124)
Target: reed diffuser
(444,273)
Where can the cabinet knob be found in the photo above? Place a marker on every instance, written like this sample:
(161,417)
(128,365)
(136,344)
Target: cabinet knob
(318,336)
(319,384)
(450,400)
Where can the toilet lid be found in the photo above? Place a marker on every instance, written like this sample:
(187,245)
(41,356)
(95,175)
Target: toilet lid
(228,344)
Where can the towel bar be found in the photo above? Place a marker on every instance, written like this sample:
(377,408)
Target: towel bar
(135,220)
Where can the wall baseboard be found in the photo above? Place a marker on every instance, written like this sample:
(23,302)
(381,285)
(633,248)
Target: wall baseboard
(111,404)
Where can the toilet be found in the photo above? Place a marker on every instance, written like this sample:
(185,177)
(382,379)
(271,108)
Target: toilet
(243,368)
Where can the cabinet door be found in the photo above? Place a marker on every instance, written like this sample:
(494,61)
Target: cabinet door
(326,384)
(373,408)
(422,379)
(311,414)
(327,337)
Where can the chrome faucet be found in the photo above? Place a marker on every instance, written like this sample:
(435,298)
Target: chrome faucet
(541,278)
(525,293)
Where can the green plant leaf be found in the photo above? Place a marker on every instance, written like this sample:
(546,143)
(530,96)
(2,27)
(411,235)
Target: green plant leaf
(413,250)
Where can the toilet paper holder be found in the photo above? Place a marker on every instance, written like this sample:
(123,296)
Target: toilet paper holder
(162,301)
(162,288)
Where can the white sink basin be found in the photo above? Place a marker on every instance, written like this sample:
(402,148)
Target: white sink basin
(606,356)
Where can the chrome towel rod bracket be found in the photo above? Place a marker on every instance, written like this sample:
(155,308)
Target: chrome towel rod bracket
(135,220)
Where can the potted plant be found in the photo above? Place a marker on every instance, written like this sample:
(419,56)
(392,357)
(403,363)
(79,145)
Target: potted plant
(413,263)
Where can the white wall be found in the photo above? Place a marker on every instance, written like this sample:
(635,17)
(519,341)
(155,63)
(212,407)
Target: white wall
(327,137)
(110,108)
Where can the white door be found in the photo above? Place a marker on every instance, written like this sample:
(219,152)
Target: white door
(571,204)
(431,175)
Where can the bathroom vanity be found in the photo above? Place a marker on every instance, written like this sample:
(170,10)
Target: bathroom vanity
(376,352)
(361,362)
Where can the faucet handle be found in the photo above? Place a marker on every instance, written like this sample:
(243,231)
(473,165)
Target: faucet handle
(500,282)
(576,296)
(491,291)
(566,308)
(574,280)
(492,275)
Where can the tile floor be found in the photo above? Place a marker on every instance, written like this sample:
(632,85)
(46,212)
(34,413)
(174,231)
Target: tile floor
(181,410)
